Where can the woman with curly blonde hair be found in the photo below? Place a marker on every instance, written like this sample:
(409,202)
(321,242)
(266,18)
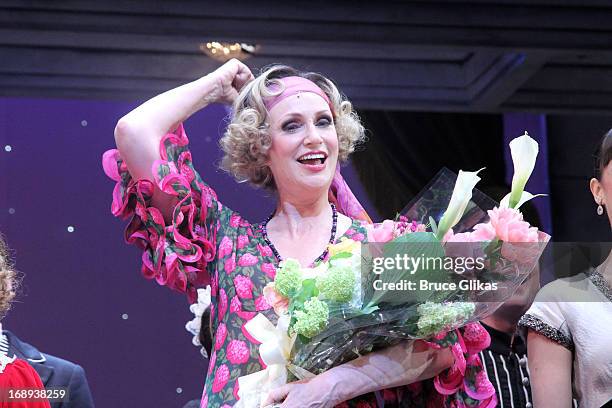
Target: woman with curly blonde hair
(8,280)
(288,132)
(15,374)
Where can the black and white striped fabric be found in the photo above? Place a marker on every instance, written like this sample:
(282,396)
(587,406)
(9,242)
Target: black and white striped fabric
(508,369)
(4,345)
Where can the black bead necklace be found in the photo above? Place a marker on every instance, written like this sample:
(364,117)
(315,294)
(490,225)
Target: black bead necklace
(332,239)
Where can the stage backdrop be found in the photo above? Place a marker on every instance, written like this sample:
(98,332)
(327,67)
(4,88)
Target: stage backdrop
(83,297)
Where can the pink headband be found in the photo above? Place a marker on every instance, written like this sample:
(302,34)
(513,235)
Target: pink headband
(293,86)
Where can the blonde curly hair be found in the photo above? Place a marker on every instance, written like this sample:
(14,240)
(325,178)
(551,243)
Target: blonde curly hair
(8,279)
(246,140)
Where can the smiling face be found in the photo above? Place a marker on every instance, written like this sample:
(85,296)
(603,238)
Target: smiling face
(304,149)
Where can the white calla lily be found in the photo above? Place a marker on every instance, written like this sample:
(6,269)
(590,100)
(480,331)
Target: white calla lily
(462,194)
(525,196)
(274,351)
(524,151)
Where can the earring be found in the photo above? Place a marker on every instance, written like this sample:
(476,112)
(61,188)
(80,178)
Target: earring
(600,209)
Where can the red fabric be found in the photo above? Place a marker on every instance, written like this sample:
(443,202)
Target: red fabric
(20,375)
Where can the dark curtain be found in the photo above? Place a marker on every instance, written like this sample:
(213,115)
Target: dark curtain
(406,149)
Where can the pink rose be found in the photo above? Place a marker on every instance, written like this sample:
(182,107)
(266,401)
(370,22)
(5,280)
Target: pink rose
(243,286)
(475,338)
(269,270)
(221,378)
(234,220)
(509,226)
(238,352)
(230,264)
(379,232)
(220,336)
(264,250)
(222,304)
(461,237)
(350,232)
(276,300)
(460,246)
(261,304)
(225,247)
(235,305)
(483,232)
(247,260)
(524,253)
(358,237)
(243,241)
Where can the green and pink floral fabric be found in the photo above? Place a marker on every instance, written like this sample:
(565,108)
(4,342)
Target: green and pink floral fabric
(205,242)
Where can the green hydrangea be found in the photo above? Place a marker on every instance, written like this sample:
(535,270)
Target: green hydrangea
(437,317)
(288,278)
(312,319)
(338,283)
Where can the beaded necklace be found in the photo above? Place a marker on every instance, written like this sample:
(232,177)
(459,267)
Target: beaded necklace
(332,239)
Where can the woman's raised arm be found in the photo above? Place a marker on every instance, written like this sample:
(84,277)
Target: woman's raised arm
(139,133)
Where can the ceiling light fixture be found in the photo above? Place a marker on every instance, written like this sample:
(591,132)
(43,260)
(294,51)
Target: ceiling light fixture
(223,51)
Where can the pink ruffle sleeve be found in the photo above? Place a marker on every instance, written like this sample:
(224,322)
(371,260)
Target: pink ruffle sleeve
(176,254)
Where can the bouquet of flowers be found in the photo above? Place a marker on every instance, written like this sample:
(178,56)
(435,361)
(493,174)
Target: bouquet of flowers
(417,278)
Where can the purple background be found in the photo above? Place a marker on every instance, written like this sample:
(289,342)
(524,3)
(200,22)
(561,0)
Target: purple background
(79,284)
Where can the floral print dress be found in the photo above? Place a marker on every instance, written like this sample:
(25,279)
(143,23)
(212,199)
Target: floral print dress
(208,243)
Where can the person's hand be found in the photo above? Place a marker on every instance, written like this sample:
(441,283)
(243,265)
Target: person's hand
(228,80)
(313,393)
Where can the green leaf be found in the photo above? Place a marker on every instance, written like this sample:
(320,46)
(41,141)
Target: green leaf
(369,309)
(341,255)
(422,245)
(433,225)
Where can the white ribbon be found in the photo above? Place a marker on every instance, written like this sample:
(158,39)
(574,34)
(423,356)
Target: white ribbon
(274,350)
